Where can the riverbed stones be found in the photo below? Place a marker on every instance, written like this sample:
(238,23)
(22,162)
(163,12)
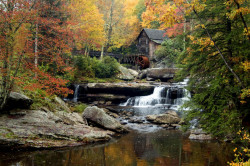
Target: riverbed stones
(199,134)
(167,118)
(99,117)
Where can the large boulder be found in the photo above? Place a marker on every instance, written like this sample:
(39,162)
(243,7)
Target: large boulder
(99,117)
(18,100)
(45,129)
(199,134)
(161,74)
(127,74)
(167,118)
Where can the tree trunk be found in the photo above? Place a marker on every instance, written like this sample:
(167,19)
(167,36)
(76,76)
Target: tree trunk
(36,49)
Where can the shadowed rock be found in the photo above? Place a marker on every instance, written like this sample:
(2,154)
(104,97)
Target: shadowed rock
(18,100)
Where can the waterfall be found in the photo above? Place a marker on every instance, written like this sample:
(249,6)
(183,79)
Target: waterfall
(166,96)
(75,98)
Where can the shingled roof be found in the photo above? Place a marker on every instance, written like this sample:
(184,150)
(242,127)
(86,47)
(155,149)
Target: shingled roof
(155,35)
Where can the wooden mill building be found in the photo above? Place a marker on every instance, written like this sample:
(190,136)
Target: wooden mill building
(148,41)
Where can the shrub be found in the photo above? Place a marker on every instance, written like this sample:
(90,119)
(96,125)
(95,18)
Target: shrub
(80,108)
(92,67)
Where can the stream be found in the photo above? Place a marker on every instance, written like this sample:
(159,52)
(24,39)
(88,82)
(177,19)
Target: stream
(146,145)
(159,148)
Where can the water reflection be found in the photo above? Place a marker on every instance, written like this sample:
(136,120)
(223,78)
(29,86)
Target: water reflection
(162,148)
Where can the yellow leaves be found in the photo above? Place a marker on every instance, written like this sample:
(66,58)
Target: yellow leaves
(166,14)
(246,65)
(246,31)
(242,151)
(87,23)
(245,93)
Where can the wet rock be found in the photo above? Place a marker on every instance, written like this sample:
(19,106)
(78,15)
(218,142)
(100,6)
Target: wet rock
(167,118)
(100,118)
(18,100)
(199,134)
(43,129)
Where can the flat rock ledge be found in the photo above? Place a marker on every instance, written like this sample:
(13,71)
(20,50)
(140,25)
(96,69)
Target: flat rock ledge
(45,129)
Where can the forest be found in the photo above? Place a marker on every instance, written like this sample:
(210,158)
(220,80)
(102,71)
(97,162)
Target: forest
(209,41)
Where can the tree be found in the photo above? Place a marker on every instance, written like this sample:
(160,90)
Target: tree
(120,22)
(13,15)
(86,24)
(19,46)
(216,60)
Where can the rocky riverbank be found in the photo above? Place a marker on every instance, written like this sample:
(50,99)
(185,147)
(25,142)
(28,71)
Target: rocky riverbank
(44,128)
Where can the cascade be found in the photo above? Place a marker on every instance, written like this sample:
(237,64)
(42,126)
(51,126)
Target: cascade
(171,97)
(75,98)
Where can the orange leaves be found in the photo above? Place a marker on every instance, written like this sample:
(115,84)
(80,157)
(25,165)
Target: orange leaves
(167,14)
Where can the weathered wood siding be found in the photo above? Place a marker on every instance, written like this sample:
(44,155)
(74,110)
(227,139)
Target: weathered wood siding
(146,46)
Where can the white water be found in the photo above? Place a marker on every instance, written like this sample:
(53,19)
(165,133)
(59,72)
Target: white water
(75,98)
(168,97)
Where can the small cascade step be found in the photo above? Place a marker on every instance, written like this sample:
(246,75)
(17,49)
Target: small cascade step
(162,95)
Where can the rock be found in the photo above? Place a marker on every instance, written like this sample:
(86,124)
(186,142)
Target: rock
(125,89)
(18,100)
(99,117)
(42,129)
(164,118)
(108,103)
(172,112)
(127,74)
(62,104)
(176,126)
(162,74)
(133,72)
(106,99)
(142,74)
(70,118)
(199,134)
(165,125)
